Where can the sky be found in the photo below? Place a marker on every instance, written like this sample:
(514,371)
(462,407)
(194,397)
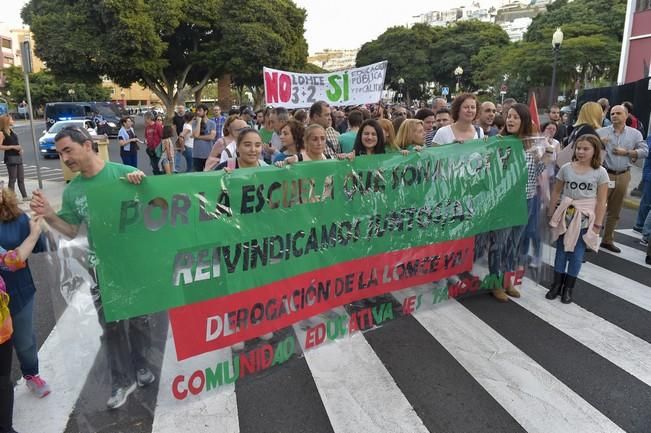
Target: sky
(337,24)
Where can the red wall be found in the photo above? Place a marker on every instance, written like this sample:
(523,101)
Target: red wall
(640,49)
(641,23)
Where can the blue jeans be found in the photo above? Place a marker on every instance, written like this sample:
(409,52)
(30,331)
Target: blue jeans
(531,231)
(25,340)
(571,260)
(645,204)
(187,154)
(129,159)
(504,249)
(646,229)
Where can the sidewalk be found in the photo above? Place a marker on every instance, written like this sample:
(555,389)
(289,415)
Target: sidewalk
(53,191)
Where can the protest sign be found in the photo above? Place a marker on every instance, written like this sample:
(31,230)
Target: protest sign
(348,87)
(177,240)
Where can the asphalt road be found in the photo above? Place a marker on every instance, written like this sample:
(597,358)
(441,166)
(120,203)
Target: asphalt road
(419,375)
(25,138)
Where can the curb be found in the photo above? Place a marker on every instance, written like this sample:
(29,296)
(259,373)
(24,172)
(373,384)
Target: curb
(631,203)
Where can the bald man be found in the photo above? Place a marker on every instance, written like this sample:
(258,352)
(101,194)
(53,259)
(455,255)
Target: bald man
(624,146)
(487,112)
(438,104)
(234,129)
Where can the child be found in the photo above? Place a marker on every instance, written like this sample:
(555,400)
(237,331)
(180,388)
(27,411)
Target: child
(577,220)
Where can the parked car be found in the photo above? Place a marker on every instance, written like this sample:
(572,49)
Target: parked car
(46,142)
(106,115)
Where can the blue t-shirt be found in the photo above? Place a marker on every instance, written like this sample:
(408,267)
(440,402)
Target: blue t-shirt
(202,148)
(20,284)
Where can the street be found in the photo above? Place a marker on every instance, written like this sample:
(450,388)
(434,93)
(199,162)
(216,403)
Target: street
(468,365)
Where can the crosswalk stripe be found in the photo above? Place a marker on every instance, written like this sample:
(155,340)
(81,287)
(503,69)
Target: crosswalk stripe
(630,232)
(357,391)
(612,282)
(534,397)
(631,254)
(65,359)
(630,353)
(206,412)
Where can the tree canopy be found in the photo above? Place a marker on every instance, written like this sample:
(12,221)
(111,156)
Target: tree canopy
(167,45)
(45,87)
(590,51)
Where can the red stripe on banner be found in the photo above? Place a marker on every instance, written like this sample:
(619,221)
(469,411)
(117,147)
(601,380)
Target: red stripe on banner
(221,322)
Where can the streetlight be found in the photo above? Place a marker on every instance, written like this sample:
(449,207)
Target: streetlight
(401,82)
(557,40)
(71,92)
(458,72)
(124,102)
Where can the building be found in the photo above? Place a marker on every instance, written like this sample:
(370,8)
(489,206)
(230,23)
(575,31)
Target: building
(134,96)
(635,58)
(11,40)
(334,60)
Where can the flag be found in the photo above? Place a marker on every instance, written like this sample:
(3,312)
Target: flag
(533,109)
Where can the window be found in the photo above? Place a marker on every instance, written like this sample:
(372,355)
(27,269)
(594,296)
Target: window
(643,5)
(6,43)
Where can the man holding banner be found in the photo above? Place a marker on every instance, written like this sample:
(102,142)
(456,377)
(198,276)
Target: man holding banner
(127,341)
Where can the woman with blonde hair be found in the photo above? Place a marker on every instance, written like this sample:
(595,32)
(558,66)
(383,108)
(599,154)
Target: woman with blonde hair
(13,158)
(312,148)
(589,120)
(389,135)
(411,135)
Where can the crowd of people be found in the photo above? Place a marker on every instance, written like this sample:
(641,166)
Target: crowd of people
(577,177)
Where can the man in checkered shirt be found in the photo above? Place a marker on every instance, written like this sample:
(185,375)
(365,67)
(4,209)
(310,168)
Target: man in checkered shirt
(320,114)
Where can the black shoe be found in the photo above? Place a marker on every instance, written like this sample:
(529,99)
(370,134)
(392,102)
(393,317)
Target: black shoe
(610,247)
(144,377)
(648,260)
(557,285)
(637,229)
(568,287)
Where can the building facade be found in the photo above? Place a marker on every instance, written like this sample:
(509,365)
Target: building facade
(334,60)
(635,59)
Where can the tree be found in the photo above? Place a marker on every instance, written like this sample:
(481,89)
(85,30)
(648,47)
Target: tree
(166,45)
(45,87)
(457,45)
(407,51)
(590,50)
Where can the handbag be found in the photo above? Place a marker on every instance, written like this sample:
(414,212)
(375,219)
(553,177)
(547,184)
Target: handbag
(13,159)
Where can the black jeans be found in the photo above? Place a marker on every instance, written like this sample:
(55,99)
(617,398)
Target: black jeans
(199,164)
(6,387)
(17,173)
(154,160)
(126,344)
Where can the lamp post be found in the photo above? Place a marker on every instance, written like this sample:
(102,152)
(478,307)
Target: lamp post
(557,40)
(71,92)
(124,101)
(458,72)
(401,82)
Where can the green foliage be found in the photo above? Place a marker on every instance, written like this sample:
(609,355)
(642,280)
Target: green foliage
(167,45)
(45,87)
(408,53)
(592,40)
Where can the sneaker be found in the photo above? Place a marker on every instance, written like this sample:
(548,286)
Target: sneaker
(648,260)
(119,396)
(37,385)
(637,229)
(144,377)
(644,242)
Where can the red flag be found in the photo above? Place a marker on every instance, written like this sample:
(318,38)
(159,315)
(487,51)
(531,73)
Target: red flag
(533,108)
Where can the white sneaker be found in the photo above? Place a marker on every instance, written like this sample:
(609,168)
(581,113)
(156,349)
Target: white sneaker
(119,396)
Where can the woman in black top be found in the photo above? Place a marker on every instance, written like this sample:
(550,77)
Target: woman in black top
(13,158)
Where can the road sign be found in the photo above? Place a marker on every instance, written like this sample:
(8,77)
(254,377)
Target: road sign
(504,88)
(445,91)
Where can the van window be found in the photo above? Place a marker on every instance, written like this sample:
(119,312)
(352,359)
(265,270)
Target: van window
(64,111)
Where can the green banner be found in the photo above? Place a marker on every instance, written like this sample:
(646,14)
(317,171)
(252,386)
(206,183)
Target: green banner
(177,240)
